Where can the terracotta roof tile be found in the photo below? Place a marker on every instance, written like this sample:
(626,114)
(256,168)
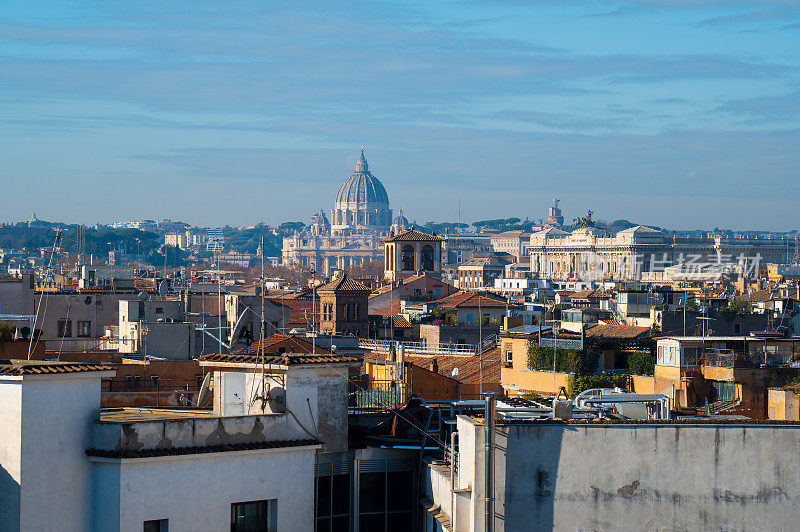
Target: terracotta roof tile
(412,235)
(344,284)
(298,345)
(468,300)
(616,331)
(40,367)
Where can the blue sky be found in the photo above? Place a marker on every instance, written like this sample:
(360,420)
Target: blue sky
(675,113)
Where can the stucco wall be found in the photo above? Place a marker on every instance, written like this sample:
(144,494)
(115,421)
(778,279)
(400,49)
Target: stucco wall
(10,451)
(626,477)
(56,428)
(195,492)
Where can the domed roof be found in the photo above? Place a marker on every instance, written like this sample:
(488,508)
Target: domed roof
(362,187)
(400,219)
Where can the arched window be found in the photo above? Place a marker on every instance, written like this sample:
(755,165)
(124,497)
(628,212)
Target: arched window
(408,258)
(427,258)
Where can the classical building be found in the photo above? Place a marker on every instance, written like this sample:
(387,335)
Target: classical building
(479,274)
(513,242)
(639,252)
(360,220)
(344,306)
(412,252)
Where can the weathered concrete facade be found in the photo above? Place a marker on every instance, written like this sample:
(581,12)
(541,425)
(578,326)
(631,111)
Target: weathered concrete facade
(576,476)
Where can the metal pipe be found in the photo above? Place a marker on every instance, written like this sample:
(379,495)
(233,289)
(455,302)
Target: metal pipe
(489,460)
(453,477)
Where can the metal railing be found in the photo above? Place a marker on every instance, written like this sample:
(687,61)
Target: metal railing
(563,343)
(377,394)
(420,348)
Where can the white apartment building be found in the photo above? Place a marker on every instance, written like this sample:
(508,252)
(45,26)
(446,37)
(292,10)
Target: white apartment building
(244,466)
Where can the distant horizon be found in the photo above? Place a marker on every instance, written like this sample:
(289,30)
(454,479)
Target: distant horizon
(667,113)
(567,223)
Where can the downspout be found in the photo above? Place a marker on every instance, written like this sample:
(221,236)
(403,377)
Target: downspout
(489,461)
(453,473)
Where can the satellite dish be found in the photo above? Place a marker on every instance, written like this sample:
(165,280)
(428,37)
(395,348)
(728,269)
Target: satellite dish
(163,288)
(143,296)
(205,392)
(454,373)
(333,348)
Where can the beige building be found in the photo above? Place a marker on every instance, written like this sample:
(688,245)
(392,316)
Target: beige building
(594,254)
(512,242)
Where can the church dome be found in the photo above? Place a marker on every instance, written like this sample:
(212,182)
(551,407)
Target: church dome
(362,187)
(400,220)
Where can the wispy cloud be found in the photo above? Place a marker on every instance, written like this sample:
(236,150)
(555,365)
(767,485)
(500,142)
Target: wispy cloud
(760,15)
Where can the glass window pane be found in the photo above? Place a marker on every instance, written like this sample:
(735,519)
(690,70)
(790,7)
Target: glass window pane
(340,524)
(400,522)
(372,523)
(324,525)
(341,494)
(372,494)
(249,516)
(400,490)
(324,496)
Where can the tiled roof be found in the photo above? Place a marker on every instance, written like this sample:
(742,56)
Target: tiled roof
(412,235)
(344,284)
(400,322)
(177,451)
(299,345)
(283,359)
(295,311)
(469,366)
(40,367)
(468,300)
(616,331)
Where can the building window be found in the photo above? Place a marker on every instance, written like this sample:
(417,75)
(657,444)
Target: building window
(159,310)
(333,503)
(255,516)
(386,501)
(427,258)
(64,328)
(84,329)
(509,357)
(156,525)
(408,258)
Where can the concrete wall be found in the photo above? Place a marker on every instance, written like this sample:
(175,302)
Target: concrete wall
(57,412)
(102,311)
(16,297)
(10,451)
(316,399)
(193,432)
(577,476)
(195,492)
